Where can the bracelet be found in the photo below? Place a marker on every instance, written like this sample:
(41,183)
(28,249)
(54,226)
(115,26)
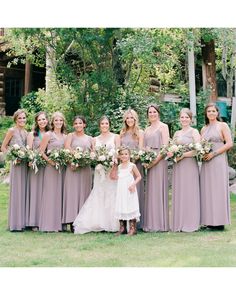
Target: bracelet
(214,153)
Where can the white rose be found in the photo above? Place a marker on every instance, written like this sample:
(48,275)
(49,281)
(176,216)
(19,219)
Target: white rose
(79,148)
(198,146)
(102,158)
(56,155)
(16,146)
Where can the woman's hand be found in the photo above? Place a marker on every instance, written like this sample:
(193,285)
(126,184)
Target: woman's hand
(209,156)
(30,164)
(51,162)
(73,167)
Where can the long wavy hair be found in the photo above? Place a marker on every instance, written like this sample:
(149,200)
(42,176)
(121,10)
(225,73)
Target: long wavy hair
(58,114)
(36,128)
(136,128)
(212,104)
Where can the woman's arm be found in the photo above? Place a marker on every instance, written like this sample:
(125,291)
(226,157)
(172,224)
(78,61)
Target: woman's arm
(30,139)
(141,139)
(43,146)
(7,139)
(68,141)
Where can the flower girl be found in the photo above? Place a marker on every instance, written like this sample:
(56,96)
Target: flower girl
(127,204)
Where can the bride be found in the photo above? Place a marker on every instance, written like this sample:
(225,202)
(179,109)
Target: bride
(98,212)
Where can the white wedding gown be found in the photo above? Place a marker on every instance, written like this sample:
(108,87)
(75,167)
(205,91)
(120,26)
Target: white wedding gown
(98,212)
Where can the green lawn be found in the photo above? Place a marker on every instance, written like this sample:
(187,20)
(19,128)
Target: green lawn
(204,248)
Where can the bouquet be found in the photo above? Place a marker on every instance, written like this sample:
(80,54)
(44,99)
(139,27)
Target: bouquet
(17,154)
(172,150)
(104,158)
(35,158)
(201,149)
(60,157)
(134,155)
(80,158)
(147,156)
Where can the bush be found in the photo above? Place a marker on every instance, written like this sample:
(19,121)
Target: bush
(232,157)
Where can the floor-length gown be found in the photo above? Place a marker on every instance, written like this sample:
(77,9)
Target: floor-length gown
(128,140)
(185,191)
(51,209)
(127,203)
(214,183)
(34,191)
(98,212)
(156,212)
(77,184)
(18,179)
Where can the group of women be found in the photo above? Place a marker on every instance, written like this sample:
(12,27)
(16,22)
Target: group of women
(50,199)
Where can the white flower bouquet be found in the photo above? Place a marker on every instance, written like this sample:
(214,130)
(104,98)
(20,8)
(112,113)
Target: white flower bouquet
(17,154)
(103,156)
(34,157)
(201,149)
(147,156)
(172,150)
(80,158)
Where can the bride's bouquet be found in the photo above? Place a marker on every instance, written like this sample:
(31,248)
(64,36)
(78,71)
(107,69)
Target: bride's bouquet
(104,158)
(202,148)
(172,150)
(17,154)
(80,158)
(36,160)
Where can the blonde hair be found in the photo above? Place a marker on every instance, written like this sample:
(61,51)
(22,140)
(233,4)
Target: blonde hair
(58,114)
(125,128)
(17,113)
(187,111)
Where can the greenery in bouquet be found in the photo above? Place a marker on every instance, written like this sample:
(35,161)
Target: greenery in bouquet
(17,154)
(103,156)
(202,148)
(80,158)
(35,159)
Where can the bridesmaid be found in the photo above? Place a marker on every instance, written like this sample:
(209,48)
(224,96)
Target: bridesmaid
(35,181)
(214,177)
(51,209)
(18,174)
(78,183)
(185,180)
(156,216)
(132,136)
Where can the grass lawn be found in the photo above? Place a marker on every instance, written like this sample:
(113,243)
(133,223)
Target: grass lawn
(203,248)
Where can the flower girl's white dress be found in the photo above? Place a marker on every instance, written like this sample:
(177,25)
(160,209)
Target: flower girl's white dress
(127,203)
(98,212)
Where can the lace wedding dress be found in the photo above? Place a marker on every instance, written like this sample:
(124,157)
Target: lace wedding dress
(98,212)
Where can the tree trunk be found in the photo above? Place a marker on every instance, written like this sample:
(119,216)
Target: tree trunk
(209,68)
(28,76)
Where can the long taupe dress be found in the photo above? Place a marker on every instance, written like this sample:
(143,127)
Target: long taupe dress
(214,183)
(185,191)
(51,210)
(18,178)
(156,212)
(34,191)
(129,141)
(77,184)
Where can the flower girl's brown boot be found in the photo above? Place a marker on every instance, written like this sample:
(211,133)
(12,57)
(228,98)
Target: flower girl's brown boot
(132,227)
(123,229)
